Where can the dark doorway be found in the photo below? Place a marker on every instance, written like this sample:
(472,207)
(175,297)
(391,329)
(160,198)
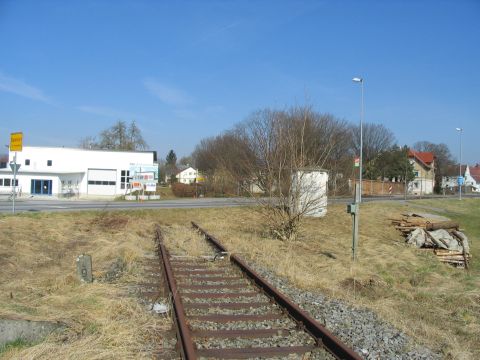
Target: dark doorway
(41,187)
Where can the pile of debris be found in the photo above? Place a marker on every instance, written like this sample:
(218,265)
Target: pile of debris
(438,233)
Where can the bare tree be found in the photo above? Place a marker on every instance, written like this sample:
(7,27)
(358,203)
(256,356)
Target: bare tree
(119,136)
(187,160)
(275,151)
(89,142)
(226,160)
(376,139)
(287,145)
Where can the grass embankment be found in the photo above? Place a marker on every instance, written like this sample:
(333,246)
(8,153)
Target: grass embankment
(433,302)
(38,282)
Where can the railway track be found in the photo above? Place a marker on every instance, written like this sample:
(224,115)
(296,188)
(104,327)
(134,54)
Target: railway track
(224,310)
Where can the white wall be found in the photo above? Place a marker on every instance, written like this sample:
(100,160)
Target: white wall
(72,165)
(420,186)
(309,189)
(469,180)
(187,176)
(449,182)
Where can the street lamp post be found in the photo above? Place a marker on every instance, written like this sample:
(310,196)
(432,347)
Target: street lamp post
(460,130)
(360,80)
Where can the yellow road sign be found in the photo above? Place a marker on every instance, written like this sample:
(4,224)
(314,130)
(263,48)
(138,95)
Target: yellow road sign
(16,141)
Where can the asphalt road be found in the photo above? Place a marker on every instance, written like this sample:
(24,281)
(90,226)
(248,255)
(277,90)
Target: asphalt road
(32,205)
(39,204)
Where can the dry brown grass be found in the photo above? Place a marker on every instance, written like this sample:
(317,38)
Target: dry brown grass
(182,241)
(436,304)
(38,282)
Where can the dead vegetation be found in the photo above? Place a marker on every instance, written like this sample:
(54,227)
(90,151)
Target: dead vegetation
(110,222)
(432,302)
(103,319)
(183,241)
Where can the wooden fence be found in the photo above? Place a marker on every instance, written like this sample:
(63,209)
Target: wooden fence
(378,187)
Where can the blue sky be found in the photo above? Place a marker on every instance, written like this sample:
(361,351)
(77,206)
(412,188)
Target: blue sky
(187,70)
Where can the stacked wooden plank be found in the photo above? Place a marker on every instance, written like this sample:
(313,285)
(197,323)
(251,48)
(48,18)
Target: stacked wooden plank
(452,257)
(410,222)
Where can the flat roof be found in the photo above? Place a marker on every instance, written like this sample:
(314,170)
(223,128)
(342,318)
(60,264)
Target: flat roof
(8,171)
(82,149)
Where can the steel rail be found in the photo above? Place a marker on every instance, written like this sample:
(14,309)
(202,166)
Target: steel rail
(323,336)
(183,332)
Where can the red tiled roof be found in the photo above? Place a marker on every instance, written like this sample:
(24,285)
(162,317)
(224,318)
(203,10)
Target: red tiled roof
(426,158)
(475,172)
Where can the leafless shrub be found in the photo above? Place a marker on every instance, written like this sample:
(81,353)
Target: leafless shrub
(269,153)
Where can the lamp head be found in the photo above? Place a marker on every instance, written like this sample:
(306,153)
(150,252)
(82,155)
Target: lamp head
(458,129)
(357,79)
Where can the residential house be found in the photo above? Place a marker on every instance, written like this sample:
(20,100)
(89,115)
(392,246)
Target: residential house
(424,169)
(472,177)
(187,176)
(450,177)
(470,173)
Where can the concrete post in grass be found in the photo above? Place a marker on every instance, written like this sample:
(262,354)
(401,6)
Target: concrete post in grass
(84,268)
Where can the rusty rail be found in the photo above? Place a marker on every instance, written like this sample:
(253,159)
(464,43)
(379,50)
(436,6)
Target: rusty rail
(183,332)
(324,337)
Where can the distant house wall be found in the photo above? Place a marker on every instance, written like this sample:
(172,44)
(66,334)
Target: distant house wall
(471,175)
(469,179)
(424,170)
(187,176)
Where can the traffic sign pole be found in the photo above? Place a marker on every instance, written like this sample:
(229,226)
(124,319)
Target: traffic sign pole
(14,181)
(16,144)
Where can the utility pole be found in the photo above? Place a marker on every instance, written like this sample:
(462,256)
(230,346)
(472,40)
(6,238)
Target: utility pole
(14,169)
(354,210)
(360,80)
(460,177)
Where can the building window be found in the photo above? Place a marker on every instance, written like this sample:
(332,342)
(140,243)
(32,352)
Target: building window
(416,173)
(1,182)
(98,182)
(27,162)
(124,178)
(49,162)
(6,182)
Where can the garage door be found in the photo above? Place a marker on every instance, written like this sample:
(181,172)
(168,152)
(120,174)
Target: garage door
(102,181)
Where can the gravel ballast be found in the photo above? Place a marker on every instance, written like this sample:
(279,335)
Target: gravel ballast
(361,329)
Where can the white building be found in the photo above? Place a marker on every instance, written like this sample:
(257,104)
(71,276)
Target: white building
(187,176)
(70,171)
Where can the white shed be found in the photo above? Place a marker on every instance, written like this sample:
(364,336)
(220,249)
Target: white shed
(309,192)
